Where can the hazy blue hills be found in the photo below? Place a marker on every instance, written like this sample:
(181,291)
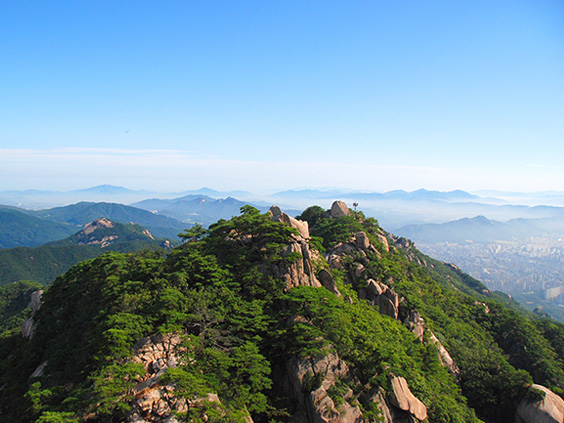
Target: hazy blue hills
(37,199)
(418,195)
(481,229)
(20,229)
(43,264)
(195,208)
(81,213)
(214,193)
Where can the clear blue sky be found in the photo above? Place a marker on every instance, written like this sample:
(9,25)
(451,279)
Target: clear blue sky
(268,95)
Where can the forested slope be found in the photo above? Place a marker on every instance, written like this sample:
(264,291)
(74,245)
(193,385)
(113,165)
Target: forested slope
(267,318)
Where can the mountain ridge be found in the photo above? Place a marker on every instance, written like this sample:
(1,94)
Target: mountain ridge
(326,317)
(44,263)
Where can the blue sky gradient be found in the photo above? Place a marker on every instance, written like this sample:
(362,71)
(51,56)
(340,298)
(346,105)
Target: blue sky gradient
(262,95)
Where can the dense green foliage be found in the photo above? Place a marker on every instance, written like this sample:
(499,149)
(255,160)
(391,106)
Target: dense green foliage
(240,327)
(14,299)
(18,229)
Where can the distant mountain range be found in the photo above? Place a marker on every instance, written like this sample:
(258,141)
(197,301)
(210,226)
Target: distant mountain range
(419,195)
(81,213)
(481,229)
(394,209)
(37,199)
(196,208)
(44,263)
(29,228)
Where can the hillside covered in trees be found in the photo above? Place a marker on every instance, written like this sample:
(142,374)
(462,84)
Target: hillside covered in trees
(267,318)
(44,263)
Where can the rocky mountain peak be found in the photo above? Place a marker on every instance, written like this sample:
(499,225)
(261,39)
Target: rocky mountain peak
(101,223)
(339,208)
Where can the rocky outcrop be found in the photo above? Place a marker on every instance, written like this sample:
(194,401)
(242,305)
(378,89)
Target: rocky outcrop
(547,410)
(301,226)
(339,209)
(388,412)
(362,241)
(409,248)
(29,324)
(299,271)
(154,401)
(416,324)
(39,370)
(444,355)
(382,296)
(101,223)
(327,281)
(384,241)
(311,380)
(402,398)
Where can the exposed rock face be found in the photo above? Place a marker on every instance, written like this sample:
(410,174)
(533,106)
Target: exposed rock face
(549,410)
(362,241)
(29,325)
(339,209)
(384,241)
(316,405)
(444,356)
(153,401)
(39,371)
(402,398)
(384,297)
(97,224)
(301,226)
(408,246)
(35,300)
(300,272)
(388,412)
(148,234)
(327,281)
(416,324)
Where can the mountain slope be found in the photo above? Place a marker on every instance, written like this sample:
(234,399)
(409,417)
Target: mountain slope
(44,263)
(195,208)
(81,213)
(481,229)
(257,319)
(17,228)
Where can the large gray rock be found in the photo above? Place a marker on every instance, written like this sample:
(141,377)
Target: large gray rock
(362,241)
(35,300)
(444,355)
(549,410)
(402,398)
(382,296)
(101,223)
(317,406)
(300,272)
(327,281)
(301,226)
(416,324)
(384,241)
(388,412)
(339,209)
(29,324)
